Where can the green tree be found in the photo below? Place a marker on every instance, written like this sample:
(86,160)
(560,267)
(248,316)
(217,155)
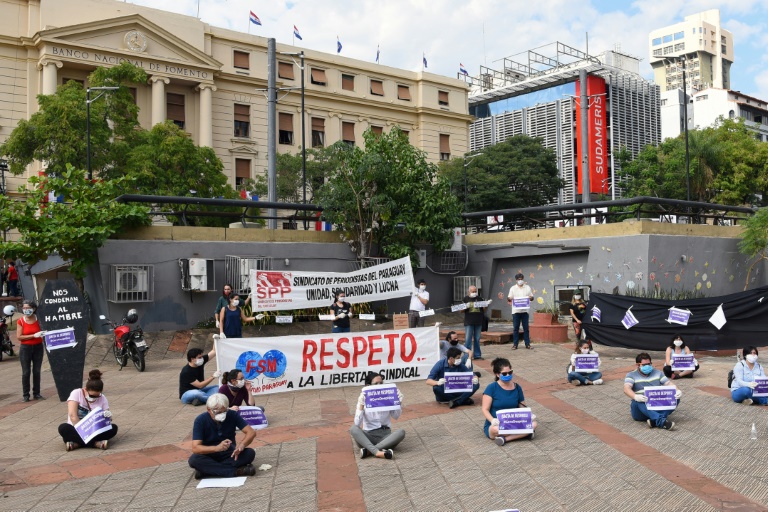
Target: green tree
(754,240)
(320,162)
(390,196)
(73,229)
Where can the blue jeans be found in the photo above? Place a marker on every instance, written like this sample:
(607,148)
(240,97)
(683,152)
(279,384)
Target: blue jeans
(461,398)
(517,319)
(221,464)
(340,329)
(200,394)
(472,333)
(584,377)
(640,412)
(740,394)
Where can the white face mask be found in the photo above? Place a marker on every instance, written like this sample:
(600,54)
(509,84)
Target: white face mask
(457,361)
(520,282)
(678,343)
(235,303)
(751,358)
(240,383)
(90,398)
(585,351)
(577,297)
(220,417)
(200,361)
(473,295)
(422,287)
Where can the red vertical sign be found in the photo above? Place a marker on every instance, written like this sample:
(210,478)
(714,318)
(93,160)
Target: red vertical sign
(597,134)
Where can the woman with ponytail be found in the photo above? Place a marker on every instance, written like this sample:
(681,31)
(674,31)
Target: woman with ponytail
(80,402)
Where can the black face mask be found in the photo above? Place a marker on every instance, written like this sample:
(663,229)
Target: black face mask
(453,342)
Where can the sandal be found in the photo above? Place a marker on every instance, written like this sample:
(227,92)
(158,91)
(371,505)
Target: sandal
(101,444)
(71,446)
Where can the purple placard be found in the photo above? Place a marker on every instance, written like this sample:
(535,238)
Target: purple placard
(515,421)
(381,398)
(93,424)
(586,363)
(521,303)
(60,338)
(458,382)
(596,313)
(678,316)
(682,362)
(660,398)
(254,416)
(762,387)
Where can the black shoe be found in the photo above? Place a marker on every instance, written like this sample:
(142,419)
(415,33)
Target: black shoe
(25,399)
(477,374)
(668,425)
(198,474)
(453,404)
(247,470)
(39,397)
(469,401)
(363,453)
(389,454)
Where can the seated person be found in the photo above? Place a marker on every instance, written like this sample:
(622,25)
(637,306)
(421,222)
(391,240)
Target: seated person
(744,374)
(194,388)
(578,378)
(452,340)
(215,451)
(499,395)
(237,390)
(80,402)
(436,379)
(371,430)
(636,381)
(677,346)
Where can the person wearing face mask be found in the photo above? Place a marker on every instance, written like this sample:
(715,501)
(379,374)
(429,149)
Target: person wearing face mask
(80,402)
(237,389)
(678,346)
(744,374)
(582,379)
(419,300)
(232,317)
(451,363)
(578,307)
(371,430)
(30,337)
(473,321)
(194,388)
(500,395)
(215,450)
(520,313)
(452,340)
(341,311)
(636,381)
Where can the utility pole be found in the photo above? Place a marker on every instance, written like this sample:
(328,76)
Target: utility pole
(584,136)
(271,132)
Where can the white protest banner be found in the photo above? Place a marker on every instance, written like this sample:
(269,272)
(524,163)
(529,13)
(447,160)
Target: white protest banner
(762,387)
(458,307)
(483,303)
(282,290)
(316,361)
(93,424)
(382,397)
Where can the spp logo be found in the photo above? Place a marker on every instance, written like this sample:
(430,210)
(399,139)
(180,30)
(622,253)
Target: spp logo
(252,364)
(270,285)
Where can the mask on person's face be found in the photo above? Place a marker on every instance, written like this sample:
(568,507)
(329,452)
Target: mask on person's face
(221,416)
(678,343)
(227,292)
(240,383)
(473,295)
(90,398)
(585,350)
(506,378)
(199,361)
(577,297)
(422,287)
(453,342)
(520,282)
(235,303)
(751,358)
(27,312)
(646,369)
(457,361)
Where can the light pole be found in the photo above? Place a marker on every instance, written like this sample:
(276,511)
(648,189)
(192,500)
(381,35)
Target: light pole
(467,160)
(88,101)
(685,128)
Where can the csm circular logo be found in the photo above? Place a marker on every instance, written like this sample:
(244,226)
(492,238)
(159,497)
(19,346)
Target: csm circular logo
(252,364)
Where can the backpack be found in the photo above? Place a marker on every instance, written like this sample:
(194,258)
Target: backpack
(730,376)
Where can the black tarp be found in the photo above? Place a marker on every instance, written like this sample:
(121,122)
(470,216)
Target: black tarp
(746,314)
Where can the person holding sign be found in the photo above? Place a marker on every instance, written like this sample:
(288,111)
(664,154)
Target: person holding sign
(341,311)
(81,402)
(678,347)
(419,301)
(237,390)
(644,377)
(452,382)
(30,337)
(215,450)
(578,307)
(584,366)
(371,430)
(232,317)
(746,373)
(520,297)
(500,395)
(473,321)
(194,388)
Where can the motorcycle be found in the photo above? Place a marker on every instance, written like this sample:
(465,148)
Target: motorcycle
(6,346)
(129,343)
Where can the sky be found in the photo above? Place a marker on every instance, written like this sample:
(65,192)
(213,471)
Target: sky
(481,32)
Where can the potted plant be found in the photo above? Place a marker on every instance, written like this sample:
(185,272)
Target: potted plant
(547,313)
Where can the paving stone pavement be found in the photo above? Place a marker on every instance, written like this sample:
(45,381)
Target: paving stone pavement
(588,454)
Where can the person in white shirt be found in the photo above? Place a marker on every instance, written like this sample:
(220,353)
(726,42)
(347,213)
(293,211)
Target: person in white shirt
(419,301)
(371,430)
(583,379)
(520,307)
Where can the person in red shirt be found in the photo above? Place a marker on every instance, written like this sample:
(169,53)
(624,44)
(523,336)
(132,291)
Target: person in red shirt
(13,280)
(30,337)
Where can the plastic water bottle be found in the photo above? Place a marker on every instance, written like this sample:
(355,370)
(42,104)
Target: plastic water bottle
(753,436)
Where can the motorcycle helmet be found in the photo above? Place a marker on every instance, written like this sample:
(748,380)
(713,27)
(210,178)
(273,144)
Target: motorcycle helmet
(9,310)
(132,316)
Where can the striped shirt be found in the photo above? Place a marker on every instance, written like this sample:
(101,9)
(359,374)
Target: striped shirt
(639,381)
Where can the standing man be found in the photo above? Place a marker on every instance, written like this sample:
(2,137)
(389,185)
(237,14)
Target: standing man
(419,301)
(473,321)
(634,383)
(520,297)
(194,388)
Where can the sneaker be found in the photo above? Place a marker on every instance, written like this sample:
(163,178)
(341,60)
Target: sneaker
(499,441)
(453,404)
(668,425)
(39,397)
(389,454)
(196,402)
(247,470)
(363,453)
(531,435)
(597,382)
(25,399)
(650,423)
(198,474)
(529,347)
(575,382)
(747,401)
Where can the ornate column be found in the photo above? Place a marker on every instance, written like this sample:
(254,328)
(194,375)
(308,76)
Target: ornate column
(50,74)
(158,98)
(205,119)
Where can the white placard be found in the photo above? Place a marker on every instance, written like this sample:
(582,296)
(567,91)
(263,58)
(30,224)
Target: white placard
(329,318)
(367,316)
(284,319)
(237,481)
(428,312)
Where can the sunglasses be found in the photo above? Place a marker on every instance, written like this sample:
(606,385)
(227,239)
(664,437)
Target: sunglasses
(505,374)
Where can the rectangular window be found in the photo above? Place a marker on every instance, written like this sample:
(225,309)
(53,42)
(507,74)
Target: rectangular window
(679,47)
(656,41)
(377,130)
(445,146)
(318,77)
(175,109)
(134,92)
(241,60)
(442,98)
(285,129)
(348,82)
(667,50)
(667,39)
(242,120)
(285,70)
(663,102)
(377,88)
(242,171)
(657,52)
(403,92)
(318,132)
(722,49)
(679,35)
(348,133)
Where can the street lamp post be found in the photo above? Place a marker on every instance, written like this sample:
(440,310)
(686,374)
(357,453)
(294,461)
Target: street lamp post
(88,101)
(467,160)
(685,127)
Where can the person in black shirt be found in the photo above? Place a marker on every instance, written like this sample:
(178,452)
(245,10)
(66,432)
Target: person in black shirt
(578,307)
(473,322)
(341,311)
(194,388)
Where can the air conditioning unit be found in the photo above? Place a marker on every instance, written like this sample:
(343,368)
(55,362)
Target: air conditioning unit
(422,254)
(132,280)
(197,267)
(457,239)
(197,274)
